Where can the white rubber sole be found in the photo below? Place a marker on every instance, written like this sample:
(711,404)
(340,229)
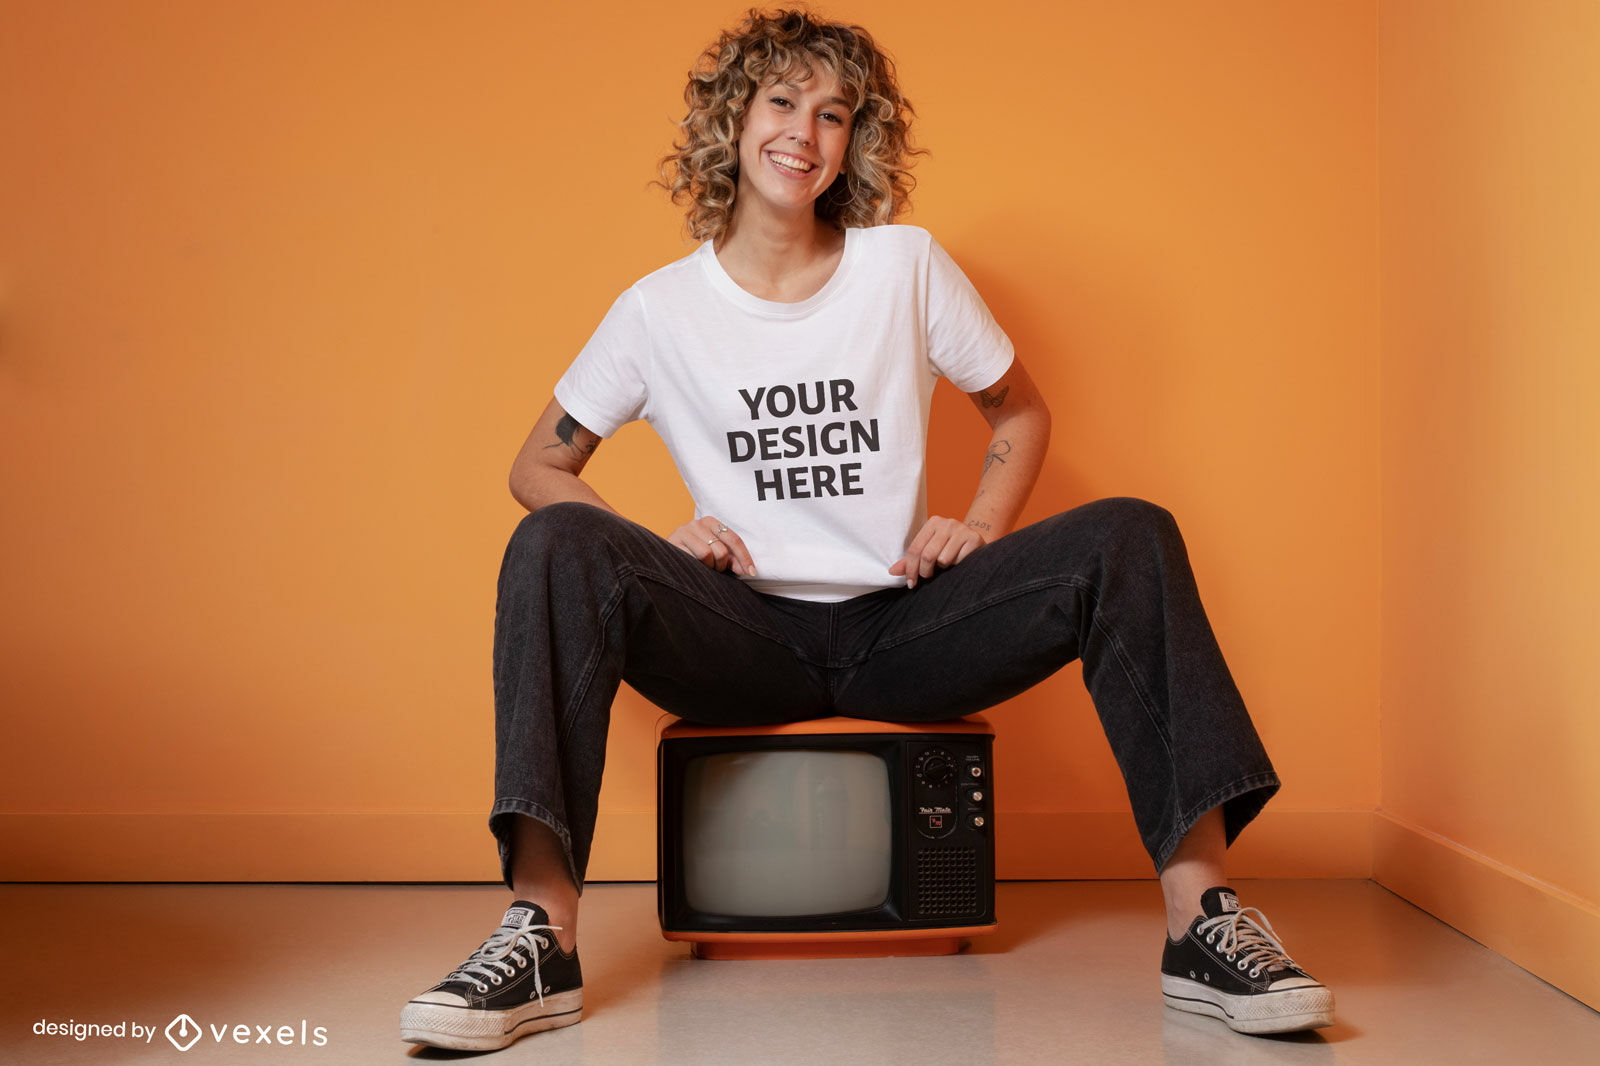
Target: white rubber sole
(1288,1011)
(465,1029)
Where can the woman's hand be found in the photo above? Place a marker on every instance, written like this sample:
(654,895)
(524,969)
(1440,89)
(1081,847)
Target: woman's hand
(1020,431)
(714,544)
(939,545)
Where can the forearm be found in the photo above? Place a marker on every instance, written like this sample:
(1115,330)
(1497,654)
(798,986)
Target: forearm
(539,486)
(1011,466)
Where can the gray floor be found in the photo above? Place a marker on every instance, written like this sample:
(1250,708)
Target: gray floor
(1071,977)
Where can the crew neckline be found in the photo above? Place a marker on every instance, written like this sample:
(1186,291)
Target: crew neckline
(725,284)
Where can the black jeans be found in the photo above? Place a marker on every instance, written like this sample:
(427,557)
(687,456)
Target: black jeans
(587,600)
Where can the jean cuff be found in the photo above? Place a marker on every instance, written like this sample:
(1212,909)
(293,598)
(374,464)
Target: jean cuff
(1240,801)
(500,823)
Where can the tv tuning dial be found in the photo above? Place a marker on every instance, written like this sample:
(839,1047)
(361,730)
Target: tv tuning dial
(936,768)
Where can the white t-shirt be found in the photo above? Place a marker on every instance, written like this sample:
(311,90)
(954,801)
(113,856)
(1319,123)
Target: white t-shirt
(801,426)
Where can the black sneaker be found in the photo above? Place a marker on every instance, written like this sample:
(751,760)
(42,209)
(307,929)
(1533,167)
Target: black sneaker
(1230,965)
(518,982)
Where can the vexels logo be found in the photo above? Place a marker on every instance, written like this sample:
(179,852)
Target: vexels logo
(184,1033)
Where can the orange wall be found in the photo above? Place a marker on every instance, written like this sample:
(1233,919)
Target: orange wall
(283,286)
(1491,499)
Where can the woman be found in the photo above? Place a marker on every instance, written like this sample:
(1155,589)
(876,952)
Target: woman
(789,364)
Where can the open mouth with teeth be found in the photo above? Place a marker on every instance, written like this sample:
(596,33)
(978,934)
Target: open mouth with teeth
(790,164)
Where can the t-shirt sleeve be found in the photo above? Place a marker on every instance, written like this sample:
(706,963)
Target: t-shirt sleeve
(965,343)
(604,388)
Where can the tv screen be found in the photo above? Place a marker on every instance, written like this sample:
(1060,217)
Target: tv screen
(786,832)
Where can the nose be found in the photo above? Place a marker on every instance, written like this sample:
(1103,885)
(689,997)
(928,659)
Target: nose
(804,131)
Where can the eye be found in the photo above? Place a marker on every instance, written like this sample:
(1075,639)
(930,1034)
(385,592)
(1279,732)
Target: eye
(829,116)
(780,101)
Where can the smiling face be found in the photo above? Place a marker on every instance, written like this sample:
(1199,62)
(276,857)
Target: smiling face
(792,145)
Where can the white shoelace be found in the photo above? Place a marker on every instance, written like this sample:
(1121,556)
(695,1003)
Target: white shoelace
(1246,938)
(501,956)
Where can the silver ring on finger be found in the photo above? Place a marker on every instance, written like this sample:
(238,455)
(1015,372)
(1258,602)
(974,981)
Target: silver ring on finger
(711,540)
(722,529)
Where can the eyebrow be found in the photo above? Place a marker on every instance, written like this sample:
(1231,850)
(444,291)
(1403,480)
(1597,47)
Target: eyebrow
(836,101)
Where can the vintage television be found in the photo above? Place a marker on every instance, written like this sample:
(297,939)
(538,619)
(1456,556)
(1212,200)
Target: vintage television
(836,837)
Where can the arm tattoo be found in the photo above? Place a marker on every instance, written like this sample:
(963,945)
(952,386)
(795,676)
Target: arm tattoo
(567,434)
(997,454)
(995,399)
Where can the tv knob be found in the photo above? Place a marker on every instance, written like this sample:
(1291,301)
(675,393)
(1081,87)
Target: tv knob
(936,769)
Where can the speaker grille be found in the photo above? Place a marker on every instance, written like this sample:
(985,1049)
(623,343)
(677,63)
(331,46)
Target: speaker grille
(947,883)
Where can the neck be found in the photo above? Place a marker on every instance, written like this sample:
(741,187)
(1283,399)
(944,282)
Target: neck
(779,256)
(786,240)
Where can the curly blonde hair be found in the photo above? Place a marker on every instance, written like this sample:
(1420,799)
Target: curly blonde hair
(875,183)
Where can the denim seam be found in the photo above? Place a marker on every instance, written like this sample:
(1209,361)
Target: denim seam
(1137,683)
(694,594)
(580,688)
(981,605)
(831,649)
(1123,659)
(630,572)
